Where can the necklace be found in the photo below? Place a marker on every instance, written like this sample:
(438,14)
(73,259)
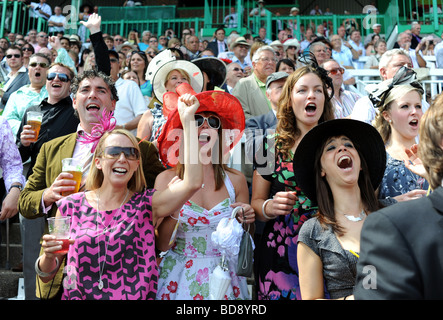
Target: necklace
(101,268)
(353,218)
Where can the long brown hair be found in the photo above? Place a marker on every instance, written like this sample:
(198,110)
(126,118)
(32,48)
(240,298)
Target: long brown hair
(325,199)
(287,131)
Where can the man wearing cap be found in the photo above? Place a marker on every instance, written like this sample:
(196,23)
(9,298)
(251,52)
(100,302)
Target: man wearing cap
(241,47)
(377,29)
(251,91)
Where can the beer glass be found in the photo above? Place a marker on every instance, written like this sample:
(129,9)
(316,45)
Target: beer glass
(72,166)
(59,227)
(34,119)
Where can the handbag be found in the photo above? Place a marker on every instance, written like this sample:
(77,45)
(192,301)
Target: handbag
(245,255)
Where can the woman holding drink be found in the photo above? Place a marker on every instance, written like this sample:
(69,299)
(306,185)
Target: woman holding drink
(112,253)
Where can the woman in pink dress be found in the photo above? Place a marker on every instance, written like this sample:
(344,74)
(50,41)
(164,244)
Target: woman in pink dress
(112,251)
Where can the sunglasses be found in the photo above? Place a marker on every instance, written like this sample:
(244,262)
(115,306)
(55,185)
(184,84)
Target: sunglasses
(26,49)
(9,56)
(213,121)
(336,71)
(63,77)
(130,153)
(40,64)
(118,39)
(238,69)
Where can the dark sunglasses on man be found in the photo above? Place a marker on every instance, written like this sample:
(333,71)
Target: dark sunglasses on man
(63,77)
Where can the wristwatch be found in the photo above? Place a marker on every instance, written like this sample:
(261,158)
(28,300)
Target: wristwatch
(19,186)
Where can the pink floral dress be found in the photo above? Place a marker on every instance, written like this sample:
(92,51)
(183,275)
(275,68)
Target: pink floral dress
(185,269)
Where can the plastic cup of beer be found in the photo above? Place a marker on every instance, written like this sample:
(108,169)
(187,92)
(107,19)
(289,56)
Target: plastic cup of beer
(59,227)
(34,119)
(72,166)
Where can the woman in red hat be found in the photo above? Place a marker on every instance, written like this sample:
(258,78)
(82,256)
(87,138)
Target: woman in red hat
(191,255)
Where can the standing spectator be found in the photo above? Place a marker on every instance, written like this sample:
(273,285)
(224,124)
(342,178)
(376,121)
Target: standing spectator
(39,10)
(29,94)
(374,60)
(407,258)
(28,50)
(343,53)
(292,24)
(262,35)
(316,11)
(415,34)
(56,22)
(12,171)
(241,47)
(342,162)
(343,101)
(85,12)
(18,75)
(251,91)
(398,121)
(131,104)
(58,120)
(376,27)
(355,42)
(192,46)
(144,43)
(390,63)
(218,44)
(304,102)
(42,41)
(230,21)
(404,42)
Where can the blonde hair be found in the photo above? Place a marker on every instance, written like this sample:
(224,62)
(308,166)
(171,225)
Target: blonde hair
(95,177)
(380,123)
(430,149)
(287,131)
(181,71)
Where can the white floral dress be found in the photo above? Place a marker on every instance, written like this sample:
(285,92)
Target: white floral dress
(185,269)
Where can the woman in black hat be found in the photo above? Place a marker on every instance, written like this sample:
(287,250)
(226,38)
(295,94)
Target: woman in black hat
(276,197)
(340,163)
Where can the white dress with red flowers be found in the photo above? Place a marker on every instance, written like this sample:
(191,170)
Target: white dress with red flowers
(186,267)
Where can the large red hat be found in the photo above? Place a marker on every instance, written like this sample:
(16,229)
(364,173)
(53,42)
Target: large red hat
(226,106)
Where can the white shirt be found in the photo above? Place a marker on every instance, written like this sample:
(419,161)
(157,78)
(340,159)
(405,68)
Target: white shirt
(130,102)
(36,6)
(57,19)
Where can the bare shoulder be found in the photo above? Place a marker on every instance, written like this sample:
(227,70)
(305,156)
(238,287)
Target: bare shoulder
(237,177)
(163,178)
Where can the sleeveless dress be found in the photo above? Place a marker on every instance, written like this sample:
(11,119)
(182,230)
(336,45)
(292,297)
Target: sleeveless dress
(185,269)
(124,253)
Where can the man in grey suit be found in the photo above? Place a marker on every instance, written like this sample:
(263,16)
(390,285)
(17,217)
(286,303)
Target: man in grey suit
(251,91)
(18,75)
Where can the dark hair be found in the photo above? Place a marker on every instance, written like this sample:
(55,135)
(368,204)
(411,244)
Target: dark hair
(287,62)
(41,55)
(91,74)
(325,199)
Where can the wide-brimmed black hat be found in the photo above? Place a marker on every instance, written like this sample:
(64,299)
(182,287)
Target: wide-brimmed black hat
(365,138)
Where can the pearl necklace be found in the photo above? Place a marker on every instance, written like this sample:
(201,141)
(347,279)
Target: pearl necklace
(100,269)
(353,218)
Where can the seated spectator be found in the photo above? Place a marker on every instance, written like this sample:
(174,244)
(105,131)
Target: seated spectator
(374,60)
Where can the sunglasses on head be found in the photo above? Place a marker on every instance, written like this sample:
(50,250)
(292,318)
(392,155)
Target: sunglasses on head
(40,64)
(130,153)
(213,121)
(9,56)
(63,77)
(336,71)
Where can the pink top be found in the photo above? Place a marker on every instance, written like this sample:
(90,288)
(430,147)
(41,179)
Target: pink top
(123,253)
